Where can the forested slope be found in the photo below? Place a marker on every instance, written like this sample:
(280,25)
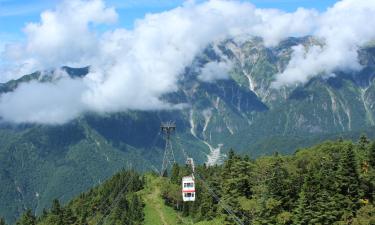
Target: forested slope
(331,183)
(40,162)
(113,202)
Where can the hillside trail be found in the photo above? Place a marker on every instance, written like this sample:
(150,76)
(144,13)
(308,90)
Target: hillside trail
(153,199)
(156,212)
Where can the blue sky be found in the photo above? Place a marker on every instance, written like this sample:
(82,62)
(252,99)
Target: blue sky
(14,14)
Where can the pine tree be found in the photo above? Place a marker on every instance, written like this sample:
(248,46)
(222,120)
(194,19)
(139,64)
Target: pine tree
(136,209)
(236,183)
(2,221)
(326,207)
(58,212)
(27,219)
(372,155)
(69,217)
(303,213)
(363,142)
(277,185)
(348,181)
(83,219)
(44,214)
(175,178)
(231,154)
(56,207)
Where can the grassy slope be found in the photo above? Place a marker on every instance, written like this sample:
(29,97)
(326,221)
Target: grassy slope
(156,212)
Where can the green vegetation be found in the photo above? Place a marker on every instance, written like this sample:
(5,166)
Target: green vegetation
(39,163)
(114,202)
(156,212)
(331,183)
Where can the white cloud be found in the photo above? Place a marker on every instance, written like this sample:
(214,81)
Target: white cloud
(277,25)
(52,103)
(343,28)
(62,36)
(131,69)
(215,71)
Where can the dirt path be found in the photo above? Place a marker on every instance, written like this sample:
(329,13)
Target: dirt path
(155,211)
(153,197)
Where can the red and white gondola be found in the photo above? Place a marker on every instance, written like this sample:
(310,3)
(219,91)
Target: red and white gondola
(188,189)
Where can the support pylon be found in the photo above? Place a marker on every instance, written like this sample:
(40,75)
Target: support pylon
(168,159)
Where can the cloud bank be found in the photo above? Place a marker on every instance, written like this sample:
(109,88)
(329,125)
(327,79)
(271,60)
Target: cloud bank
(215,71)
(131,69)
(343,29)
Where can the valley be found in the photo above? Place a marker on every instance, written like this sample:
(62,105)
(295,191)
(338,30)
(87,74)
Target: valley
(242,111)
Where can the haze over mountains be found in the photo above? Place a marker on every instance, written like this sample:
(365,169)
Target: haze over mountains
(229,74)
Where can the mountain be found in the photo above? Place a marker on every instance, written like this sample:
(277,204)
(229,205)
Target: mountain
(330,183)
(118,196)
(41,162)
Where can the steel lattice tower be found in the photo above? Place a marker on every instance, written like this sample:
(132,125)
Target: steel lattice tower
(168,160)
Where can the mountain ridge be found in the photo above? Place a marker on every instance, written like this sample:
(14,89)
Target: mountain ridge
(241,112)
(330,182)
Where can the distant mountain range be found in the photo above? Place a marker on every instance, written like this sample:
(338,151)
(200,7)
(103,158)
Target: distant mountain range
(41,162)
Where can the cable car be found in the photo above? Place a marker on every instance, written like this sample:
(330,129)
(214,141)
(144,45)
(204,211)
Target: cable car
(188,189)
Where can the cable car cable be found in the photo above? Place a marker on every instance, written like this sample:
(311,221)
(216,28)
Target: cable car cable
(226,207)
(115,201)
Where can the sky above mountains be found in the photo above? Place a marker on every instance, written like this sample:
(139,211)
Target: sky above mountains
(14,14)
(131,67)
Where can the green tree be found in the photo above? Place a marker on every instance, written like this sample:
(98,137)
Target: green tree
(69,217)
(363,142)
(175,174)
(44,214)
(231,154)
(236,183)
(303,213)
(136,209)
(372,155)
(365,216)
(278,186)
(83,219)
(27,219)
(326,209)
(56,207)
(348,182)
(2,221)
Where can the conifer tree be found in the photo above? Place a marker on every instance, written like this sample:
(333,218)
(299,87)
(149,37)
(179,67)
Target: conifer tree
(122,208)
(83,219)
(2,221)
(363,142)
(303,213)
(136,209)
(277,186)
(58,212)
(348,181)
(175,174)
(372,155)
(27,219)
(44,214)
(231,154)
(326,207)
(69,217)
(235,183)
(56,207)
